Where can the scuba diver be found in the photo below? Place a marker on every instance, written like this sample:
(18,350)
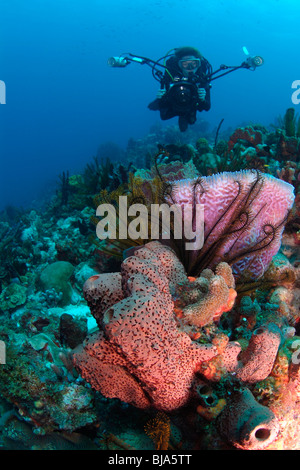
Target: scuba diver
(185,81)
(190,70)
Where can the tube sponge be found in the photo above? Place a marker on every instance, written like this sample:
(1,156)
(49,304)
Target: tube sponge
(246,423)
(259,357)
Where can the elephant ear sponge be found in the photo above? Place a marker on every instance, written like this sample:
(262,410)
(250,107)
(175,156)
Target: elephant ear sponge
(140,355)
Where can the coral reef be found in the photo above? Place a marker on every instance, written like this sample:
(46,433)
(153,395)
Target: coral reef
(140,353)
(13,296)
(201,348)
(39,380)
(18,435)
(251,137)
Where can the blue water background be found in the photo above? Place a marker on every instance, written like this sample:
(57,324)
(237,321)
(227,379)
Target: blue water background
(63,101)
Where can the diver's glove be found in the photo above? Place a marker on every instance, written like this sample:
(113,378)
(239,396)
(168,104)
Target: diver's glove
(201,94)
(161,93)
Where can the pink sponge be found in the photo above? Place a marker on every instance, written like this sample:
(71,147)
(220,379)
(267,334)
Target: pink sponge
(259,357)
(102,291)
(244,214)
(105,369)
(143,357)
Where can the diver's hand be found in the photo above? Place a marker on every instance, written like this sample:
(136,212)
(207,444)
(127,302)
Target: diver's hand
(201,94)
(160,93)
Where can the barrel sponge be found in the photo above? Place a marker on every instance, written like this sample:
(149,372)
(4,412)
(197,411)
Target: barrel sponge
(230,356)
(247,424)
(173,268)
(259,357)
(245,211)
(141,355)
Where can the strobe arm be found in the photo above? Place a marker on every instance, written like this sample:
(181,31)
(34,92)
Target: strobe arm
(123,61)
(250,63)
(126,59)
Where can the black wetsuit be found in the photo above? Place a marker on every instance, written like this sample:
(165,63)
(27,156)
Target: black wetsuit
(167,106)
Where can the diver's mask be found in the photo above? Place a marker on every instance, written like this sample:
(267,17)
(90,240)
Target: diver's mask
(189,65)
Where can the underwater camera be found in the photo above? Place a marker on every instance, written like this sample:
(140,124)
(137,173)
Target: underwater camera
(183,96)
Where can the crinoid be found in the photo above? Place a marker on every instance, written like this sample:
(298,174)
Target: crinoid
(130,229)
(243,217)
